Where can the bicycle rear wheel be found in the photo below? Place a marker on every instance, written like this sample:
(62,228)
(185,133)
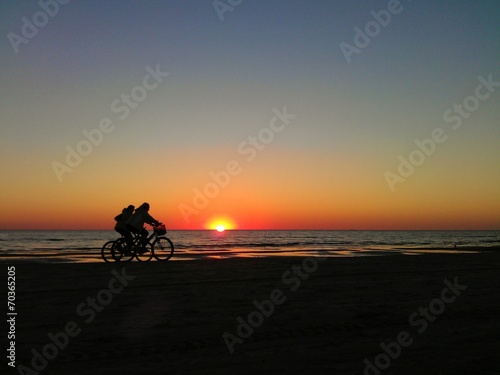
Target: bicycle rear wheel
(121,252)
(106,252)
(163,249)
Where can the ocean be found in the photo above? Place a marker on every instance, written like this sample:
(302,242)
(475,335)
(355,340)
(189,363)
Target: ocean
(78,246)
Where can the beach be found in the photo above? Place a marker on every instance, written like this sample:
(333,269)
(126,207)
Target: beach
(393,314)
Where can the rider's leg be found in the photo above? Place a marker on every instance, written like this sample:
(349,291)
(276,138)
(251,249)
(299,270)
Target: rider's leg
(128,238)
(127,235)
(144,237)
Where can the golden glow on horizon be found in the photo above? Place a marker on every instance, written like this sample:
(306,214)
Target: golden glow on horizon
(348,194)
(220,224)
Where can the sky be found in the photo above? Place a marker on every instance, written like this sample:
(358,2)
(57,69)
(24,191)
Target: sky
(292,114)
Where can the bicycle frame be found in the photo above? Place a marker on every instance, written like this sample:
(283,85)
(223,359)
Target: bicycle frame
(136,238)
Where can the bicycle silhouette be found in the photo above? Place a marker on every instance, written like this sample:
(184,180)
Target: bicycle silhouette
(123,250)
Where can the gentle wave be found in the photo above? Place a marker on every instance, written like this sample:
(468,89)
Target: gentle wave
(258,245)
(255,241)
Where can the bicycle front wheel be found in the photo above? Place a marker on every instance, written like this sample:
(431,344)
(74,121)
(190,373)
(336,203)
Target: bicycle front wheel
(163,249)
(121,251)
(106,252)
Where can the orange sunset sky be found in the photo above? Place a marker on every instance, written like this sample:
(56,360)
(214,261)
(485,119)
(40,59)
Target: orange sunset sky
(306,138)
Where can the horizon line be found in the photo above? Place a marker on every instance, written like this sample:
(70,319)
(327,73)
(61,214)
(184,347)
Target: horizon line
(256,230)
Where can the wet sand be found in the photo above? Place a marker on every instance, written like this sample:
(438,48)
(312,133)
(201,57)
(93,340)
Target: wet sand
(59,255)
(318,316)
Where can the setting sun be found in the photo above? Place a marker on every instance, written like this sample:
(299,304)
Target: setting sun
(220,224)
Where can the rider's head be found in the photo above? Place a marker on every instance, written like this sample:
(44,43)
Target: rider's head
(145,206)
(130,208)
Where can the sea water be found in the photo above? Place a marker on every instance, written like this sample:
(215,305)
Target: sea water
(86,245)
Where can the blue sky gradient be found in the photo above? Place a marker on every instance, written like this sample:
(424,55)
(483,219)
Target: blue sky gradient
(225,78)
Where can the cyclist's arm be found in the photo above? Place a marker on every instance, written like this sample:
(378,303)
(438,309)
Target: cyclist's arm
(150,219)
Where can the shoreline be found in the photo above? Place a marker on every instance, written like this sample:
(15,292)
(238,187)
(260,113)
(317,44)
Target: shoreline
(94,256)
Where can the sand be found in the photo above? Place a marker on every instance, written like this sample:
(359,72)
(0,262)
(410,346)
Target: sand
(330,316)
